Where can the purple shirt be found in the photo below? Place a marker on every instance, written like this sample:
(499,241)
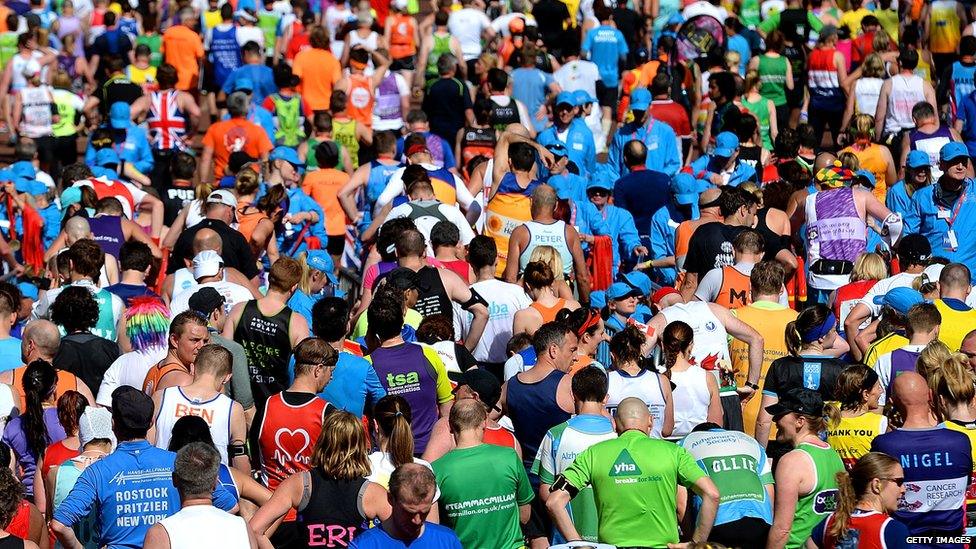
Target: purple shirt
(14,436)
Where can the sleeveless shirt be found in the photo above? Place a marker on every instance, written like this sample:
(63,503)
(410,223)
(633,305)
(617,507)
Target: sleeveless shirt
(107,232)
(216,412)
(267,345)
(547,234)
(691,399)
(813,507)
(646,386)
(534,410)
(205,526)
(333,510)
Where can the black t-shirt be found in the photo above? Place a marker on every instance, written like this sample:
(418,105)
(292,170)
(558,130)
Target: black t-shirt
(642,193)
(710,247)
(236,251)
(86,356)
(806,372)
(115,90)
(629,23)
(445,103)
(175,195)
(550,15)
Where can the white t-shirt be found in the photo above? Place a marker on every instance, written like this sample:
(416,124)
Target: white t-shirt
(702,7)
(466,25)
(578,75)
(504,300)
(250,34)
(381,469)
(233,294)
(394,188)
(885,285)
(129,369)
(426,223)
(500,23)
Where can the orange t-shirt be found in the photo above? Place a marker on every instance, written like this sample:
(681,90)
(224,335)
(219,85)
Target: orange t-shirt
(183,49)
(319,71)
(66,382)
(236,134)
(323,186)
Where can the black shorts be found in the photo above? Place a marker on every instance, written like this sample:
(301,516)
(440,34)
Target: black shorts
(404,64)
(745,532)
(336,244)
(210,84)
(606,95)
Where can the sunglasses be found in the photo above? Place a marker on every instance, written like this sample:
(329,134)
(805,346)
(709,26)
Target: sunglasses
(600,192)
(899,481)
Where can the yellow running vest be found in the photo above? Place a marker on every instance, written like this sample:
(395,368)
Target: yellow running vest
(955,324)
(852,436)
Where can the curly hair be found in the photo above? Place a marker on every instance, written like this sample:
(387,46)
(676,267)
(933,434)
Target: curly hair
(75,309)
(11,492)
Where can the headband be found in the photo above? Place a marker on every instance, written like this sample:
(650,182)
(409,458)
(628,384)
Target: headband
(592,319)
(818,332)
(356,64)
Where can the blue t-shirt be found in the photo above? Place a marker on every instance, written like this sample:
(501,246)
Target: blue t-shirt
(739,44)
(530,86)
(937,463)
(435,536)
(354,382)
(9,354)
(128,291)
(261,77)
(606,46)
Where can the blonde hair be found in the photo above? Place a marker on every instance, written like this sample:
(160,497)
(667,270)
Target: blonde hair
(953,384)
(849,160)
(873,66)
(340,450)
(882,41)
(862,126)
(549,256)
(732,60)
(932,357)
(852,486)
(869,266)
(752,81)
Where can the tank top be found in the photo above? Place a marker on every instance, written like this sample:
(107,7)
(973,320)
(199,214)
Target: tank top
(157,372)
(36,119)
(825,91)
(65,480)
(154,42)
(360,102)
(288,119)
(711,348)
(268,348)
(67,63)
(107,232)
(760,108)
(906,92)
(822,500)
(871,159)
(772,76)
(167,124)
(56,454)
(735,289)
(433,298)
(442,45)
(848,296)
(509,208)
(549,313)
(931,144)
(226,479)
(216,412)
(499,436)
(333,510)
(225,52)
(955,324)
(248,221)
(691,399)
(547,234)
(835,231)
(646,386)
(19,526)
(387,105)
(476,142)
(944,31)
(503,115)
(534,410)
(205,526)
(851,437)
(902,361)
(344,132)
(8,47)
(866,94)
(402,36)
(370,42)
(268,23)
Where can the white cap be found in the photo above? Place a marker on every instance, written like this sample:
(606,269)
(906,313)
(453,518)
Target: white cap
(932,273)
(222,197)
(95,423)
(207,263)
(31,68)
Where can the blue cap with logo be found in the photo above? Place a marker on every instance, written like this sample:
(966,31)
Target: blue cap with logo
(638,280)
(726,143)
(320,260)
(953,150)
(900,299)
(582,97)
(600,179)
(120,115)
(621,290)
(917,159)
(598,299)
(640,99)
(566,98)
(685,189)
(28,290)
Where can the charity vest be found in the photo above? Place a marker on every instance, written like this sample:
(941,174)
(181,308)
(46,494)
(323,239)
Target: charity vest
(735,289)
(344,132)
(509,208)
(442,179)
(402,36)
(215,411)
(711,349)
(822,500)
(547,234)
(225,53)
(851,437)
(955,324)
(360,102)
(288,119)
(115,189)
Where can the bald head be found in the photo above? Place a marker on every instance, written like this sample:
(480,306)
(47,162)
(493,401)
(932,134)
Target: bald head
(822,161)
(207,239)
(911,392)
(467,415)
(632,413)
(543,200)
(40,340)
(76,228)
(709,196)
(954,281)
(635,153)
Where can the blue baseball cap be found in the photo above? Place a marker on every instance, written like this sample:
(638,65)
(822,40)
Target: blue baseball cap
(7,175)
(120,115)
(28,290)
(865,177)
(598,299)
(582,98)
(917,159)
(566,98)
(106,157)
(242,84)
(320,260)
(23,169)
(22,185)
(35,187)
(638,280)
(953,150)
(675,19)
(557,149)
(600,179)
(685,189)
(900,299)
(640,99)
(621,290)
(726,143)
(69,196)
(288,154)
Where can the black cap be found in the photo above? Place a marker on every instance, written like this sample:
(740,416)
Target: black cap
(132,410)
(801,401)
(484,383)
(206,300)
(403,278)
(914,248)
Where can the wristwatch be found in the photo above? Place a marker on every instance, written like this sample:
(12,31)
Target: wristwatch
(753,386)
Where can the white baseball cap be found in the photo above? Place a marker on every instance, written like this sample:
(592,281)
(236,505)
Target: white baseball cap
(207,263)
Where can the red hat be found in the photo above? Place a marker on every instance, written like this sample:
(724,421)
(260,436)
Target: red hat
(416,148)
(663,292)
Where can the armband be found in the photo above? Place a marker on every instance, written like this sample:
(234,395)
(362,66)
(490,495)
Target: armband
(235,450)
(562,484)
(476,299)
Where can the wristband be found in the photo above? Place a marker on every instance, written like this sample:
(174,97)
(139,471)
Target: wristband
(753,386)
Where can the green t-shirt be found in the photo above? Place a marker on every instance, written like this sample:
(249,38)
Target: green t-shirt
(481,490)
(634,479)
(155,44)
(772,22)
(67,104)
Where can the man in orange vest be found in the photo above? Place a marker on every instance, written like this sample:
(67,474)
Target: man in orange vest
(359,88)
(729,285)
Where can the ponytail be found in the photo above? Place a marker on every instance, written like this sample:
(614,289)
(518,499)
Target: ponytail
(38,384)
(852,486)
(393,417)
(70,407)
(793,339)
(846,501)
(832,411)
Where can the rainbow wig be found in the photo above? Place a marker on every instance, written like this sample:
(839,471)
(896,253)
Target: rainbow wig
(147,323)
